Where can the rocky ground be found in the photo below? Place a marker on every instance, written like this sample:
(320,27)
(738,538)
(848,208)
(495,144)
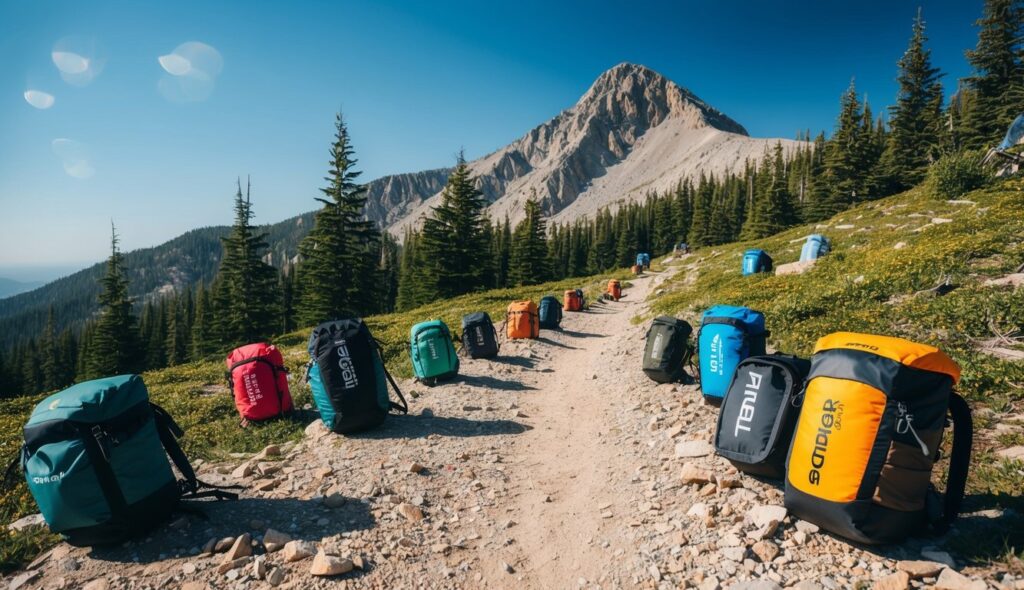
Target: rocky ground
(558,465)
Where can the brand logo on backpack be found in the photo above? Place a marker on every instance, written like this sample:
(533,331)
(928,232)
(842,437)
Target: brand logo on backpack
(55,478)
(480,336)
(432,347)
(864,346)
(717,357)
(831,420)
(746,415)
(658,346)
(348,370)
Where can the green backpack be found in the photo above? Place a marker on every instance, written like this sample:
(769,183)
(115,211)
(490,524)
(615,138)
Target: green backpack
(95,460)
(433,352)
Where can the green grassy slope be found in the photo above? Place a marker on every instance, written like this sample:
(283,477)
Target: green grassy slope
(868,285)
(196,395)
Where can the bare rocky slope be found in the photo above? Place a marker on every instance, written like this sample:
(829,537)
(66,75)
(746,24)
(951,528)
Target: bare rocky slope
(634,131)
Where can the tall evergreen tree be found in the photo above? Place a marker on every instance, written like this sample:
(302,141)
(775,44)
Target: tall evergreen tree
(997,82)
(916,120)
(203,337)
(50,358)
(253,307)
(113,343)
(453,237)
(336,251)
(528,264)
(774,209)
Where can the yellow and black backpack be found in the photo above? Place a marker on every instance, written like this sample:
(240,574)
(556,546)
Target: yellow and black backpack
(869,432)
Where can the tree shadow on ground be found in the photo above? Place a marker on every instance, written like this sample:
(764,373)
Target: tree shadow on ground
(426,424)
(551,342)
(488,382)
(574,334)
(518,361)
(199,521)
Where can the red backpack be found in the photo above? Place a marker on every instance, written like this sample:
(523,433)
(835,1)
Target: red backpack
(259,380)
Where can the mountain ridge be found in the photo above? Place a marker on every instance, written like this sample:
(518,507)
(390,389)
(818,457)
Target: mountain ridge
(632,132)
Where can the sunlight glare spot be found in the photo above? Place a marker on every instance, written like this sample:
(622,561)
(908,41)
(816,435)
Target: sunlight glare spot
(39,99)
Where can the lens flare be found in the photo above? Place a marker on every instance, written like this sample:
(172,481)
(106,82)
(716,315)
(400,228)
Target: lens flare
(78,59)
(74,156)
(39,99)
(190,72)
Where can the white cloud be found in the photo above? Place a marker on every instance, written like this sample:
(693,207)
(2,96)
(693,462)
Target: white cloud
(39,99)
(70,63)
(174,64)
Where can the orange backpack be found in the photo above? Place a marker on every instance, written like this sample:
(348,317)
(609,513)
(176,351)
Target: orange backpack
(637,269)
(615,289)
(522,320)
(573,301)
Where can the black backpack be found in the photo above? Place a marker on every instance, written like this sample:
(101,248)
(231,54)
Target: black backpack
(668,349)
(346,376)
(479,336)
(759,413)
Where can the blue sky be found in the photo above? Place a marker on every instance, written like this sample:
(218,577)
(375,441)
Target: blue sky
(416,80)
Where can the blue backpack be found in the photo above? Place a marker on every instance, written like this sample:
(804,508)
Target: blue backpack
(433,352)
(550,312)
(95,460)
(727,335)
(755,261)
(815,247)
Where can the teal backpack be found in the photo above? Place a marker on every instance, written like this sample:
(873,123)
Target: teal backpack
(433,352)
(550,312)
(95,459)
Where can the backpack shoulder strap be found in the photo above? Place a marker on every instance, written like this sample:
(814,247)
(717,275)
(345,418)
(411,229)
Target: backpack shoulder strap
(169,432)
(404,406)
(959,460)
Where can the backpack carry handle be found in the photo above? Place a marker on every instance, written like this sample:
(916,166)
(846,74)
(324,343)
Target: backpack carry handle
(959,461)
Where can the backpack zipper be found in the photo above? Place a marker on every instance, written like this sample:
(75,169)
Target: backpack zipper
(905,423)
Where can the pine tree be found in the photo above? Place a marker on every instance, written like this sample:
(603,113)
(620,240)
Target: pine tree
(453,240)
(286,286)
(916,118)
(774,209)
(49,356)
(155,317)
(203,341)
(997,82)
(252,308)
(113,344)
(338,248)
(176,341)
(529,248)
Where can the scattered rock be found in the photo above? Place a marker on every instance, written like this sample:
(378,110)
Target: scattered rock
(1010,280)
(941,220)
(224,544)
(276,576)
(298,550)
(766,551)
(334,500)
(1012,452)
(274,540)
(950,579)
(899,246)
(97,584)
(329,565)
(693,474)
(766,514)
(808,528)
(920,569)
(21,580)
(242,547)
(410,512)
(26,522)
(933,554)
(693,448)
(415,467)
(896,581)
(795,268)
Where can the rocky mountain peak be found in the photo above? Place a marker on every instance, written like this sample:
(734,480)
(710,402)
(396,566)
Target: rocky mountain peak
(633,89)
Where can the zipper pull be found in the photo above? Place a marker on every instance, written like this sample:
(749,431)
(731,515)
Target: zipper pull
(905,423)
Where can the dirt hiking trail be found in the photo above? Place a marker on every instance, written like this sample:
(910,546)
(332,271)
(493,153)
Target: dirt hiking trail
(556,465)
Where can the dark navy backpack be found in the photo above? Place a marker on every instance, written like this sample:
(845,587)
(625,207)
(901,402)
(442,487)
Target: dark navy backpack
(550,312)
(479,337)
(755,261)
(727,335)
(347,377)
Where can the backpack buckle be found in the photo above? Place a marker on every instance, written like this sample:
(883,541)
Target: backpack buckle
(100,436)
